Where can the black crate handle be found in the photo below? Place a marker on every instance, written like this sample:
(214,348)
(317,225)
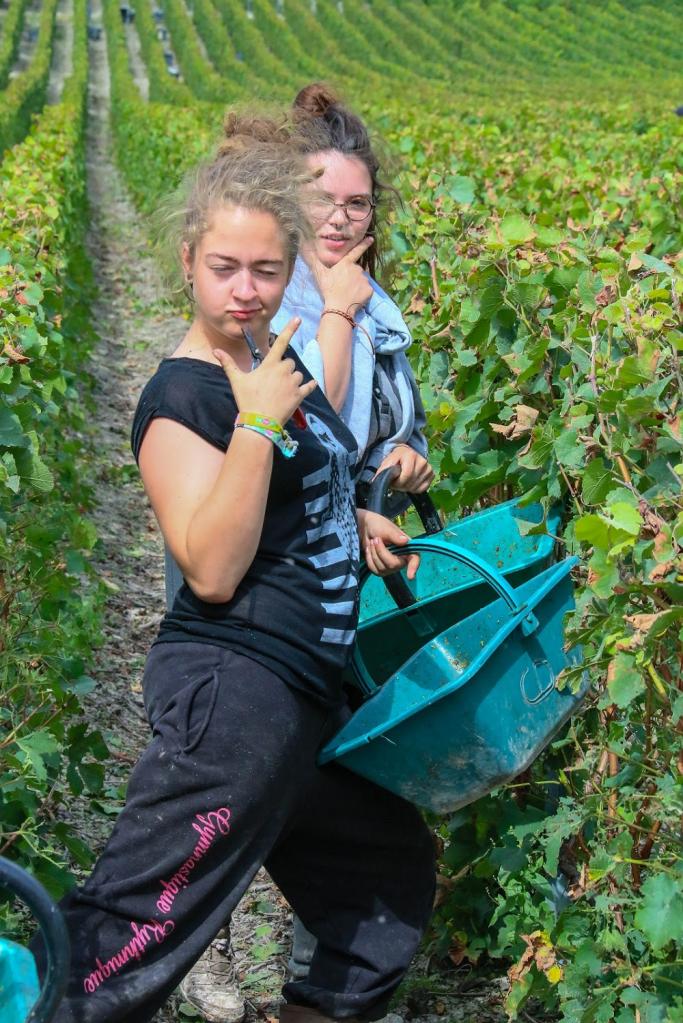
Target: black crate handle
(379,501)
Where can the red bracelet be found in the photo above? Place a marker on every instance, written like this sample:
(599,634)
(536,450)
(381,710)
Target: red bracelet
(349,319)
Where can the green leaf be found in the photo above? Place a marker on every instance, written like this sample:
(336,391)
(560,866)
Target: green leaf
(597,481)
(36,747)
(92,775)
(399,242)
(33,293)
(569,449)
(593,529)
(510,858)
(652,263)
(677,707)
(82,686)
(462,189)
(631,372)
(466,358)
(516,229)
(600,864)
(8,472)
(588,286)
(518,994)
(660,915)
(11,431)
(625,682)
(604,573)
(189,1011)
(54,878)
(541,448)
(491,301)
(438,368)
(79,849)
(33,471)
(626,517)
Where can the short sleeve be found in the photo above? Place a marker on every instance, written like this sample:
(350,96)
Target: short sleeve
(193,393)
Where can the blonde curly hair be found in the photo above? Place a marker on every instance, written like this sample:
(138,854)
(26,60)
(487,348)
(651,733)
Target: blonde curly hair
(258,165)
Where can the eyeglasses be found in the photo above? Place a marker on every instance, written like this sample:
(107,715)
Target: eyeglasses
(358,208)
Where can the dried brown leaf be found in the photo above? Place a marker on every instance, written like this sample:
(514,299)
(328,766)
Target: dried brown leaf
(642,625)
(14,354)
(574,226)
(606,295)
(523,965)
(417,304)
(521,423)
(660,572)
(444,886)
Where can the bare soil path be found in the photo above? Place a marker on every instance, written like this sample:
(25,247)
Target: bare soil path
(28,40)
(136,329)
(137,63)
(62,50)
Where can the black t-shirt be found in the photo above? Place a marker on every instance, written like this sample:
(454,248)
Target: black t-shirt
(295,610)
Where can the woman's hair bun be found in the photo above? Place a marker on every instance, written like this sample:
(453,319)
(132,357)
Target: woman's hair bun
(242,131)
(316,99)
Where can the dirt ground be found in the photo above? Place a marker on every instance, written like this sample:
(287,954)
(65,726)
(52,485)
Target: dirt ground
(62,51)
(28,40)
(136,328)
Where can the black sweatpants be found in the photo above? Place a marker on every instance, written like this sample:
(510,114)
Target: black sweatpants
(228,784)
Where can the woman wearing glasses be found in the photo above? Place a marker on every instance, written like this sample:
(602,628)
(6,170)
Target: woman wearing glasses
(353,338)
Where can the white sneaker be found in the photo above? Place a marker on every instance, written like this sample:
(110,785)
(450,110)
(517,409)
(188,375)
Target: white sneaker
(211,988)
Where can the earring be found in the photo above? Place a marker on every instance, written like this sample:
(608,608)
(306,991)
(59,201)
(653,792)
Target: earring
(188,290)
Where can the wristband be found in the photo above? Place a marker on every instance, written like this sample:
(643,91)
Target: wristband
(256,419)
(270,428)
(349,319)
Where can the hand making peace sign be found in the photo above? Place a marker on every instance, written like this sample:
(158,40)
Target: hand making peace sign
(276,387)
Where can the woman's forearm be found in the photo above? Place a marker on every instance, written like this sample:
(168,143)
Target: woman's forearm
(335,340)
(224,533)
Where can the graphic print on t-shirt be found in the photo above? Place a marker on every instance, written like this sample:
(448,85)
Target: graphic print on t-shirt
(332,533)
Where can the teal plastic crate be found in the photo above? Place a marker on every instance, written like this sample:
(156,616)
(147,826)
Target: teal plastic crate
(463,701)
(457,668)
(19,987)
(494,536)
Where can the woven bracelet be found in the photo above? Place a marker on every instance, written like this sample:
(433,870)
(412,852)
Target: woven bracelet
(339,312)
(349,319)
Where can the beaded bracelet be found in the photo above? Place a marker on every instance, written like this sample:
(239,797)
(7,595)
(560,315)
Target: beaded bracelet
(349,319)
(269,428)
